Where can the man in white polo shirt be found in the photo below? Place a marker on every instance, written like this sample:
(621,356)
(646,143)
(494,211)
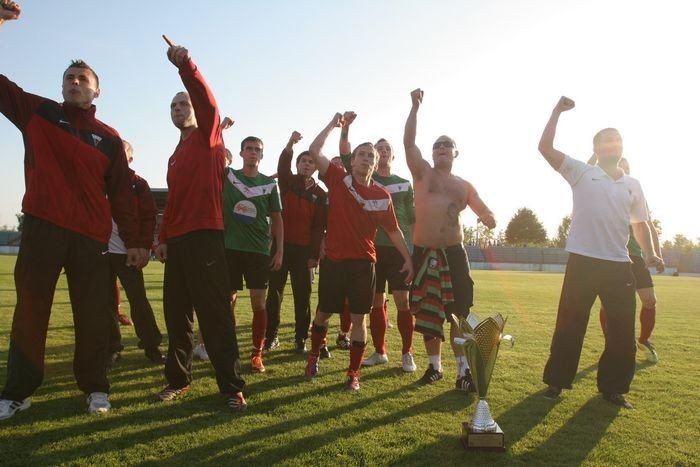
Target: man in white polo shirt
(606,202)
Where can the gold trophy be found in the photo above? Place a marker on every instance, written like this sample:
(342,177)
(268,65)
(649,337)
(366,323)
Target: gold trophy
(480,341)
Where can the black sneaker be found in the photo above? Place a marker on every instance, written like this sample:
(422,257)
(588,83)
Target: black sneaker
(155,356)
(618,400)
(465,383)
(324,353)
(431,375)
(343,342)
(271,344)
(300,346)
(552,393)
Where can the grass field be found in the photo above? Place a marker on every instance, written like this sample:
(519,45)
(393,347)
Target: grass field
(391,420)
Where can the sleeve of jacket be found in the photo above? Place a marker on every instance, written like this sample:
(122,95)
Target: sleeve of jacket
(318,224)
(203,103)
(284,169)
(147,212)
(120,194)
(15,104)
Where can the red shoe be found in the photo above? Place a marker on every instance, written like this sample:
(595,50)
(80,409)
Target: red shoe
(256,364)
(352,384)
(124,320)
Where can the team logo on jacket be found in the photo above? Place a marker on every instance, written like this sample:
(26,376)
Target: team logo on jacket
(245,212)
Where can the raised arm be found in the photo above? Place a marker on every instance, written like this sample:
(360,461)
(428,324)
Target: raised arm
(414,159)
(316,148)
(284,164)
(546,146)
(203,102)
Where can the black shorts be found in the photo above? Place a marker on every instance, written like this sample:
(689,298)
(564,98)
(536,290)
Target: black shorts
(642,276)
(389,263)
(351,279)
(255,267)
(462,283)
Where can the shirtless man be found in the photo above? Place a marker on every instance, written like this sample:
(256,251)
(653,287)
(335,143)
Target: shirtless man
(440,197)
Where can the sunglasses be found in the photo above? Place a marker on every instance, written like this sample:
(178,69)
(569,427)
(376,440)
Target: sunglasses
(447,144)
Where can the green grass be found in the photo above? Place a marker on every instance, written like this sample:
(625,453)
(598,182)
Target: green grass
(392,420)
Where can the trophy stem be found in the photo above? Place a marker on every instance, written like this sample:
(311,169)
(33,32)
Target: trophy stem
(483,422)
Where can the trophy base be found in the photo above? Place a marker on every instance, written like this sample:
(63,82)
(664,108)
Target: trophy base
(473,441)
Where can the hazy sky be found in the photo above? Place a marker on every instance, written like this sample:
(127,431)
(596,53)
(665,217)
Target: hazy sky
(491,71)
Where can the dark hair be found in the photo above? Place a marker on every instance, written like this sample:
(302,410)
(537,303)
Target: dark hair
(382,140)
(305,153)
(251,139)
(371,146)
(81,64)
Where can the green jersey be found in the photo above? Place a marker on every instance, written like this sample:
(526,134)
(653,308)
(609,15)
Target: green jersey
(633,247)
(248,201)
(401,193)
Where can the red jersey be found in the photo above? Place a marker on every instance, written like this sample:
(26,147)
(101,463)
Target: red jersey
(196,168)
(354,213)
(71,161)
(303,208)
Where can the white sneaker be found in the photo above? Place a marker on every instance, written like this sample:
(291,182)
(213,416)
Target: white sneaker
(8,408)
(409,366)
(201,352)
(375,359)
(98,402)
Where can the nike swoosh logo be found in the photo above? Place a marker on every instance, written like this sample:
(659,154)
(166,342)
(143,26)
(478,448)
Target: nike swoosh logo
(105,252)
(172,163)
(63,121)
(629,285)
(209,263)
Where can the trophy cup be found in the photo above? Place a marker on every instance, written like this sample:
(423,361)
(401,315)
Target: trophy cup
(480,341)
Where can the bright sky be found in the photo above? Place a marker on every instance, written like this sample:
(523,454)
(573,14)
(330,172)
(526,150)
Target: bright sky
(491,71)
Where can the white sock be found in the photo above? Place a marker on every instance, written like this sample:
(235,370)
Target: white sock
(462,365)
(435,361)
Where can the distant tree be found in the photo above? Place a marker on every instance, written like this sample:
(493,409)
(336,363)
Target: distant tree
(469,235)
(20,221)
(525,229)
(484,236)
(682,243)
(667,245)
(562,232)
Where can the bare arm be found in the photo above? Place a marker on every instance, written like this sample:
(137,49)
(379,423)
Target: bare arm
(399,243)
(643,237)
(414,158)
(546,146)
(315,150)
(277,228)
(344,147)
(654,238)
(477,205)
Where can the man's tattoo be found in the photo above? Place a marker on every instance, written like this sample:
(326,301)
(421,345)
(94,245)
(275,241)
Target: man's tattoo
(452,215)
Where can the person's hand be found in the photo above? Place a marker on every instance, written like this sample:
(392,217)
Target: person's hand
(276,262)
(417,97)
(133,257)
(145,257)
(226,123)
(337,120)
(295,138)
(407,271)
(162,252)
(312,263)
(9,10)
(488,220)
(655,261)
(564,104)
(176,54)
(349,117)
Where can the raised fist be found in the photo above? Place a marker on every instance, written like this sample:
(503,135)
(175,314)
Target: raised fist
(417,97)
(349,117)
(295,138)
(337,119)
(564,104)
(9,10)
(226,123)
(176,54)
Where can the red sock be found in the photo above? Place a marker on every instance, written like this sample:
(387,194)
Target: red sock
(357,353)
(318,338)
(647,318)
(345,320)
(603,322)
(259,325)
(377,326)
(405,322)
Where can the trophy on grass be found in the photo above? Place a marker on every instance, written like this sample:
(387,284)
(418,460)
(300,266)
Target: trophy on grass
(480,341)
